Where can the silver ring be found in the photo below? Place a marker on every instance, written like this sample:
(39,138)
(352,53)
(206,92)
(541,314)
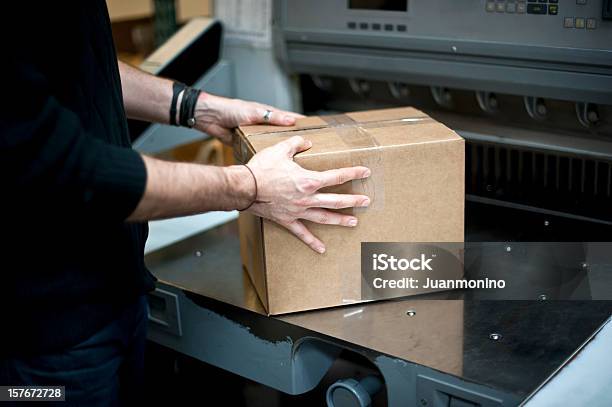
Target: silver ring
(266,116)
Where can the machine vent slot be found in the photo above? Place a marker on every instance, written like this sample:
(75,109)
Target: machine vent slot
(549,180)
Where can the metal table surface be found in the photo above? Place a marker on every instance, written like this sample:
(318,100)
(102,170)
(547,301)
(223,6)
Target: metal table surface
(448,336)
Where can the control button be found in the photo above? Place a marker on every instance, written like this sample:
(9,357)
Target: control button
(401,27)
(363,26)
(581,2)
(500,7)
(352,25)
(591,24)
(579,22)
(521,8)
(553,9)
(490,6)
(536,8)
(388,27)
(376,26)
(568,22)
(511,8)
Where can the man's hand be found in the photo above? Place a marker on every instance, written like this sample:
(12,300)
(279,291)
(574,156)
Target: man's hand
(147,97)
(288,192)
(217,115)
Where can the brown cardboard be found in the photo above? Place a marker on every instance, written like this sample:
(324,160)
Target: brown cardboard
(416,188)
(121,10)
(188,9)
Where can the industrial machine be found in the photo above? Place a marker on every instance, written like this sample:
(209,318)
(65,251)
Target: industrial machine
(528,84)
(530,92)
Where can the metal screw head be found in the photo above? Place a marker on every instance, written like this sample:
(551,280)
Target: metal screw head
(495,336)
(198,253)
(191,122)
(542,297)
(546,223)
(411,312)
(454,48)
(493,102)
(508,249)
(593,116)
(584,265)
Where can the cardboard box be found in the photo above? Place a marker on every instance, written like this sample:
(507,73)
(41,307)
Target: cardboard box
(121,10)
(188,9)
(416,190)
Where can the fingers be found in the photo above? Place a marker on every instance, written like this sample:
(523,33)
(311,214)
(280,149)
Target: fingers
(342,175)
(222,133)
(326,217)
(283,112)
(336,201)
(275,117)
(294,145)
(298,229)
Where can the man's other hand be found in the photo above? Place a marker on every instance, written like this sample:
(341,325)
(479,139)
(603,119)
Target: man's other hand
(288,192)
(217,115)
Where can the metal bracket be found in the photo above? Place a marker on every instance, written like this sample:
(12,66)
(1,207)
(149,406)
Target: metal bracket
(360,87)
(587,113)
(488,102)
(164,311)
(322,82)
(398,90)
(536,107)
(442,96)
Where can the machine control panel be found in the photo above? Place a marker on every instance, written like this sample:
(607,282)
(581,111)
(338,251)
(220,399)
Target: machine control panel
(544,48)
(582,19)
(551,23)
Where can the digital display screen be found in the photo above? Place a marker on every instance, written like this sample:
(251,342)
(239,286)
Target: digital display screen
(385,5)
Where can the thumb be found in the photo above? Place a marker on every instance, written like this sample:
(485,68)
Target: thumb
(294,145)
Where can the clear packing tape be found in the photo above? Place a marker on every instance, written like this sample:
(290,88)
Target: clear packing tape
(363,150)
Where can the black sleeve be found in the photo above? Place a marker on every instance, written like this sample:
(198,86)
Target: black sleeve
(48,159)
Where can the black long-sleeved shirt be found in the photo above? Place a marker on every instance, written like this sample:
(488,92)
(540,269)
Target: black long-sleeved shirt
(69,178)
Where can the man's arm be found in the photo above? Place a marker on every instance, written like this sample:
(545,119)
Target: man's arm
(179,189)
(145,96)
(148,97)
(286,193)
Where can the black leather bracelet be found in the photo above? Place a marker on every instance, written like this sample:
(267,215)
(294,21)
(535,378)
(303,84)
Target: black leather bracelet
(188,106)
(183,113)
(191,120)
(177,88)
